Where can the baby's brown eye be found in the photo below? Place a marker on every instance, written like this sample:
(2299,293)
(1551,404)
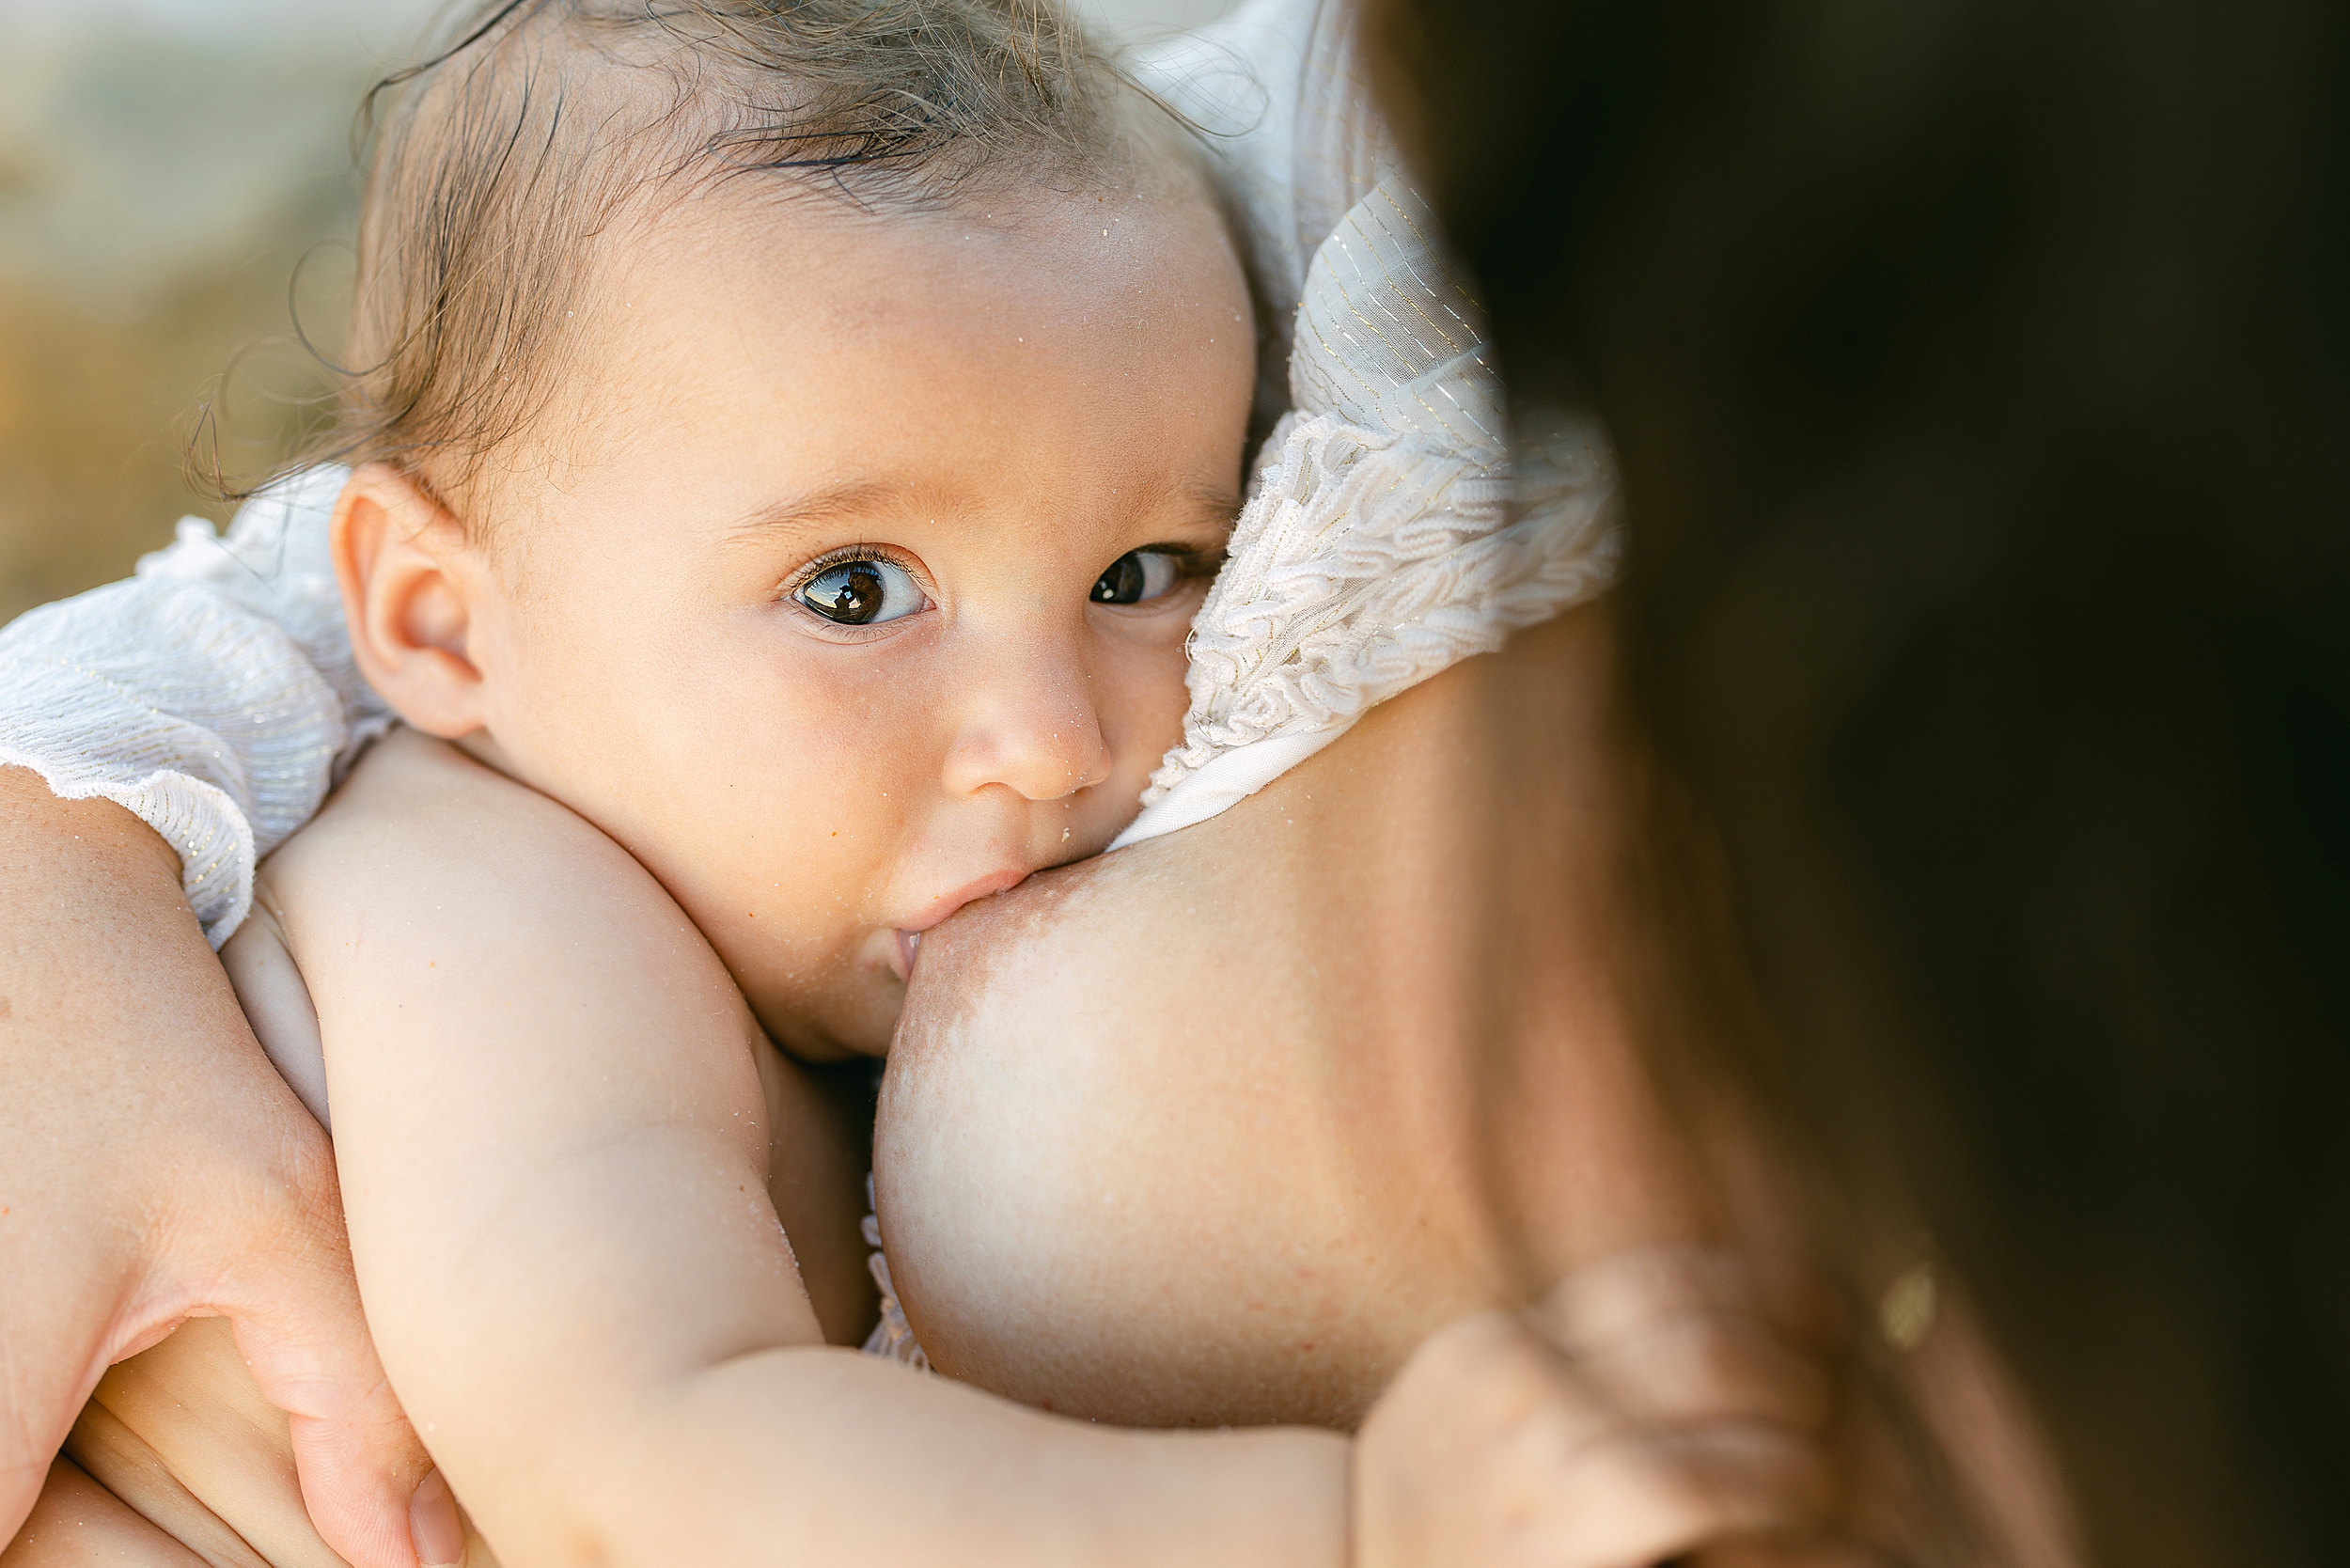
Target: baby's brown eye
(862,593)
(1134,576)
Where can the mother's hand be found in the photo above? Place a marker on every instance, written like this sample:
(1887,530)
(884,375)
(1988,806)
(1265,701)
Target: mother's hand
(154,1166)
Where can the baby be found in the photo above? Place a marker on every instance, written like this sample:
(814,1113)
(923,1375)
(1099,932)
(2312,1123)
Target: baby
(796,443)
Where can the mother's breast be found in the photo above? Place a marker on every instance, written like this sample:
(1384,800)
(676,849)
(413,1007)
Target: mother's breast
(1217,1128)
(1142,1155)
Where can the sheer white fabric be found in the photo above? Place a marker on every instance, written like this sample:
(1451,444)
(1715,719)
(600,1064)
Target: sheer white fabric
(213,694)
(1389,533)
(1282,97)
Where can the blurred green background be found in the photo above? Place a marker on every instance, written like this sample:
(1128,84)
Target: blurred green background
(165,164)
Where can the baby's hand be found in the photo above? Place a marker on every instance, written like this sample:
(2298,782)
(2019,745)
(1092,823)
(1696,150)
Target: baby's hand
(1655,1405)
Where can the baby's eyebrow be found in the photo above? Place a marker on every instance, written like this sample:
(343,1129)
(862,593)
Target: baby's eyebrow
(1210,503)
(790,515)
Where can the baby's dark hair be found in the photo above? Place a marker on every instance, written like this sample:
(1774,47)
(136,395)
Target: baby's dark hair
(500,161)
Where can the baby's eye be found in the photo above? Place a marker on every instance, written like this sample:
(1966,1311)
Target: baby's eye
(1136,575)
(862,593)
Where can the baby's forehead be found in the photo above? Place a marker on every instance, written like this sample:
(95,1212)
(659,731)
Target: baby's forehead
(521,174)
(918,359)
(738,287)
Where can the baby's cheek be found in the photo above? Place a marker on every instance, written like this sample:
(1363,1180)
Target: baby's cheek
(1142,718)
(777,865)
(809,967)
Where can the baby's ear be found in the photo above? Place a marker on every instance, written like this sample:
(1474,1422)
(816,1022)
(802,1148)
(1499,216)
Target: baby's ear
(413,589)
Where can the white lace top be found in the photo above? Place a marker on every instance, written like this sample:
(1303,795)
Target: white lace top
(1389,533)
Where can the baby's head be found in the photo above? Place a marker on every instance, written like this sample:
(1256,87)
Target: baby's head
(796,436)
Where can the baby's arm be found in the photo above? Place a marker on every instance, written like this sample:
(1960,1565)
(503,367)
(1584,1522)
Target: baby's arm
(818,1120)
(552,1142)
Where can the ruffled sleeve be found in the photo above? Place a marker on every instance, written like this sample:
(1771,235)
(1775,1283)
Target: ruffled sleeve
(1391,529)
(213,694)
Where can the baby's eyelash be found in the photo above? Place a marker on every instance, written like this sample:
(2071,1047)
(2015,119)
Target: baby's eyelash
(830,558)
(1190,560)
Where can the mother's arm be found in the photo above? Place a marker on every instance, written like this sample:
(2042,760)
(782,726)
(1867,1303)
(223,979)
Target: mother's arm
(153,1164)
(1367,1024)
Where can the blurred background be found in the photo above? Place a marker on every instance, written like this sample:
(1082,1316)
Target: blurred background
(164,166)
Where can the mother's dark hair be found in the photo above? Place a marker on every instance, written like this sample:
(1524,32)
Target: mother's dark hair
(1980,375)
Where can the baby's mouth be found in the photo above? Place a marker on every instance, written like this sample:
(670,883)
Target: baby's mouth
(905,939)
(903,946)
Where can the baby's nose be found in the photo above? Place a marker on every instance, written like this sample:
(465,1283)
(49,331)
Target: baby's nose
(1041,745)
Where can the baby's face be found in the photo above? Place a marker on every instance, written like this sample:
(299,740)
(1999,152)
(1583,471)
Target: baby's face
(863,592)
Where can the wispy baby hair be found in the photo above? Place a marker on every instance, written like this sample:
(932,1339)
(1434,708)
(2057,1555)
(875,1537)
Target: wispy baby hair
(501,161)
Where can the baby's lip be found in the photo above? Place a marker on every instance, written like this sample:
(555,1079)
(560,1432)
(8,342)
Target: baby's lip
(979,887)
(907,939)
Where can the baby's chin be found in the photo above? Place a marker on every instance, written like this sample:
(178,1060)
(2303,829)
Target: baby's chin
(854,1012)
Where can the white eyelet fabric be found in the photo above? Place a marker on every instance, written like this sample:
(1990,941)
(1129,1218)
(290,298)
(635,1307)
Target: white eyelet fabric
(213,694)
(892,1339)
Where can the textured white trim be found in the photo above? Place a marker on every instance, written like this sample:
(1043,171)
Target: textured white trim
(892,1339)
(213,694)
(1224,780)
(1389,533)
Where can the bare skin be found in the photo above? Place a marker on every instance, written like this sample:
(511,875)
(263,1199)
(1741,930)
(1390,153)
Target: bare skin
(619,644)
(1673,1420)
(1373,1024)
(157,1168)
(1313,1003)
(80,1524)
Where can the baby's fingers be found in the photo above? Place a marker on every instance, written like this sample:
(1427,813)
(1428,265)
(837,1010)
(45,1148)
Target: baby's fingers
(1628,1292)
(1494,1448)
(1652,1408)
(1644,1497)
(1705,1368)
